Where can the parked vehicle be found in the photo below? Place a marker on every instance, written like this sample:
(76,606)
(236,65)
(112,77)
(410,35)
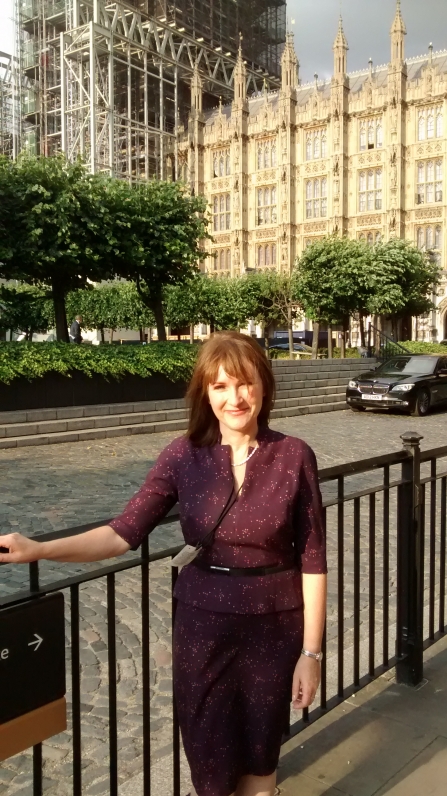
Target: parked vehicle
(304,349)
(412,383)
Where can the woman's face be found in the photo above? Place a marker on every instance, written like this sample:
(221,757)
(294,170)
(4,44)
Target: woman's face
(236,403)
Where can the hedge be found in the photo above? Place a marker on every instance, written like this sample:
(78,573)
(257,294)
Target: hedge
(416,347)
(34,360)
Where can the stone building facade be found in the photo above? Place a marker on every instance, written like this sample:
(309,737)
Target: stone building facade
(364,155)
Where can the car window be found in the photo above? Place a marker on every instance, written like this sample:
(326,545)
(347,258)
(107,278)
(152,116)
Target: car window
(408,366)
(442,364)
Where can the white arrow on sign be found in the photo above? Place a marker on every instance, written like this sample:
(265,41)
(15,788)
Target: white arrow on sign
(36,643)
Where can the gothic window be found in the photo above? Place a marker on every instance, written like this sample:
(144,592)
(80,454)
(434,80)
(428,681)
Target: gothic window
(309,146)
(266,206)
(266,255)
(378,237)
(221,212)
(362,236)
(316,198)
(429,238)
(370,239)
(316,144)
(430,126)
(429,182)
(371,134)
(266,154)
(221,163)
(362,136)
(370,190)
(430,123)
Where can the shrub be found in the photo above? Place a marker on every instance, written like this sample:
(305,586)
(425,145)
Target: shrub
(34,360)
(418,347)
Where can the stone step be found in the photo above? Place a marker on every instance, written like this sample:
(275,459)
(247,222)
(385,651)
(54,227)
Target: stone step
(95,421)
(327,404)
(310,400)
(293,411)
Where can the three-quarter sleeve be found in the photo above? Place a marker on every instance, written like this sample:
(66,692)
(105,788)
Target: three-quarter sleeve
(310,535)
(153,500)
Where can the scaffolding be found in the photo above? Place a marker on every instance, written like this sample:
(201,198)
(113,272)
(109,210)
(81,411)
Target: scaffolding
(110,81)
(8,110)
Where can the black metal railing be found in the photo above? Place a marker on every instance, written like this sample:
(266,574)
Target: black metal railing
(383,347)
(386,532)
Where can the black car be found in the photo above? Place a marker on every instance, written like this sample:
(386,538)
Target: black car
(301,347)
(412,383)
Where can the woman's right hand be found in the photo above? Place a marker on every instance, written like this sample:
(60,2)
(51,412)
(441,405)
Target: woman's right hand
(20,549)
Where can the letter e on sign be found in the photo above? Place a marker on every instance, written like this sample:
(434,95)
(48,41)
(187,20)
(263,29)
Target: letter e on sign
(4,654)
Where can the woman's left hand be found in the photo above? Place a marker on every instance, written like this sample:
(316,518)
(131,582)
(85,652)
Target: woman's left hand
(306,680)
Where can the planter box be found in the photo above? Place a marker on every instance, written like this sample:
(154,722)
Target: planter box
(53,390)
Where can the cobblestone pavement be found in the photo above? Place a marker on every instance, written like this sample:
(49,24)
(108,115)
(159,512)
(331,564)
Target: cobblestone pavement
(44,489)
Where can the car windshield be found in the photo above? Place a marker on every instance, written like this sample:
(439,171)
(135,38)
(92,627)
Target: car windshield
(408,366)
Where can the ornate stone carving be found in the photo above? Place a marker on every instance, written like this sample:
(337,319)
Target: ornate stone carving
(369,221)
(262,234)
(221,238)
(429,212)
(319,226)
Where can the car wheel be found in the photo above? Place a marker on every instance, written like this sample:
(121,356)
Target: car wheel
(358,408)
(422,404)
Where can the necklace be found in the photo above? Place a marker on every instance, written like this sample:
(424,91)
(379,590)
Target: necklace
(244,461)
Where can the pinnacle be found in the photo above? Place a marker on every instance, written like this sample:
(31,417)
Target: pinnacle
(341,40)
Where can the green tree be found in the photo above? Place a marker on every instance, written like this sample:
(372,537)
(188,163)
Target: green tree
(403,279)
(56,227)
(112,306)
(159,229)
(332,281)
(25,309)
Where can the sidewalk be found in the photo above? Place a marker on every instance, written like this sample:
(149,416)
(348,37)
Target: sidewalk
(388,740)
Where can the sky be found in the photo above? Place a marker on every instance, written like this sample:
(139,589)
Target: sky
(366,22)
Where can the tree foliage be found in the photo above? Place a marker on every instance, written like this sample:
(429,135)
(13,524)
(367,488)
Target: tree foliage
(56,228)
(25,309)
(160,228)
(112,306)
(402,279)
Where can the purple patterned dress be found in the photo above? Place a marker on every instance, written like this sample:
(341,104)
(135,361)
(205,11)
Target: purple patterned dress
(236,639)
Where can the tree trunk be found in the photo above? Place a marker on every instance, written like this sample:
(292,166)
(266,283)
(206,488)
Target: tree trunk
(103,339)
(149,334)
(212,326)
(191,334)
(329,342)
(362,330)
(157,309)
(343,345)
(60,313)
(141,334)
(266,340)
(290,327)
(315,335)
(111,337)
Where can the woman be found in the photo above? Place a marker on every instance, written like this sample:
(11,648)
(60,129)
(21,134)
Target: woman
(251,604)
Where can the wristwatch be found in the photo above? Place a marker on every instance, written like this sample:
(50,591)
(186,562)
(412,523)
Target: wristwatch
(318,656)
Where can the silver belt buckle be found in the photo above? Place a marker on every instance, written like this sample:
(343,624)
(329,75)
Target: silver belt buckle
(222,569)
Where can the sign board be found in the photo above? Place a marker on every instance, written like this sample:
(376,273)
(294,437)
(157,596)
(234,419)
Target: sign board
(32,668)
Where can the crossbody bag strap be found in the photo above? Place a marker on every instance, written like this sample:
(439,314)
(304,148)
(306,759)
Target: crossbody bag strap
(208,539)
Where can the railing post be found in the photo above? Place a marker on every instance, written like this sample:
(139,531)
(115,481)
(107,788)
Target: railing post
(410,567)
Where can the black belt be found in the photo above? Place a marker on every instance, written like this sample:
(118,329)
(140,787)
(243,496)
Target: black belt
(241,570)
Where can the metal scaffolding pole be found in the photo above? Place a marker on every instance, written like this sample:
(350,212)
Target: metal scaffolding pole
(108,81)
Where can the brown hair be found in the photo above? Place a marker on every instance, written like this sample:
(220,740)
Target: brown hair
(239,356)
